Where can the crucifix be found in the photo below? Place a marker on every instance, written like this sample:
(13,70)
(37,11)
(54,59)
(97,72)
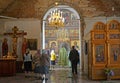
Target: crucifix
(15,34)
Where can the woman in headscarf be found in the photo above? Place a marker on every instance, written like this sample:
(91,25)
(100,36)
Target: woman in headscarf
(36,58)
(36,62)
(45,63)
(27,62)
(42,63)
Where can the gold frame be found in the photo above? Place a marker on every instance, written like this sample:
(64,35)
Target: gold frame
(32,44)
(72,43)
(50,42)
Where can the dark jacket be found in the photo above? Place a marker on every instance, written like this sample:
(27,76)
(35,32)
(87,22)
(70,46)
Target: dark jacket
(74,55)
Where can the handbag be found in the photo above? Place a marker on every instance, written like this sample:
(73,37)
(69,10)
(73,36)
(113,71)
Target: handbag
(33,66)
(23,66)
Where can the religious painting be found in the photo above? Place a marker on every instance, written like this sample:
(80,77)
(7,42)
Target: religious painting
(32,44)
(99,53)
(113,26)
(75,43)
(65,44)
(46,33)
(114,36)
(67,17)
(99,27)
(99,36)
(73,17)
(53,45)
(74,32)
(114,53)
(50,33)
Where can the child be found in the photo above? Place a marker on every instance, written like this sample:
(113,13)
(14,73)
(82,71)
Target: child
(52,58)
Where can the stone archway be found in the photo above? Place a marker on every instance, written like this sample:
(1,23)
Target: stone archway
(64,7)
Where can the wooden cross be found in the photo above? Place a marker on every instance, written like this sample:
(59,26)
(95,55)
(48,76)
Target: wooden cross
(15,34)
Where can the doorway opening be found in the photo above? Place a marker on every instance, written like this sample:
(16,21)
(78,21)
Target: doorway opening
(67,36)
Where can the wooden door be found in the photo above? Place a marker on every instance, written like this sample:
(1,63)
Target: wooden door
(105,49)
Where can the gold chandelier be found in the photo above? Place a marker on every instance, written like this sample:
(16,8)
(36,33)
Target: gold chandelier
(56,19)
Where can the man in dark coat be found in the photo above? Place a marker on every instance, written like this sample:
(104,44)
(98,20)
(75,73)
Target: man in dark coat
(74,59)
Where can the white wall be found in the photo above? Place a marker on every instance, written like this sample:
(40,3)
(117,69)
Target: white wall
(2,22)
(91,21)
(31,26)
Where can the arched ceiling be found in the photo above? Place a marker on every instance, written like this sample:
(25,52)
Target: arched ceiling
(37,8)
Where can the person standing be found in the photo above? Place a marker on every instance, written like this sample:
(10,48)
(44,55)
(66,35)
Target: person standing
(52,58)
(74,59)
(27,63)
(37,63)
(4,47)
(63,57)
(44,64)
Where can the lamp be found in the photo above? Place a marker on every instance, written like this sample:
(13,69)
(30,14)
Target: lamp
(56,18)
(113,11)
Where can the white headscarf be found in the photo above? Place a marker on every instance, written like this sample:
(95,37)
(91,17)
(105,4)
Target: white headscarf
(44,51)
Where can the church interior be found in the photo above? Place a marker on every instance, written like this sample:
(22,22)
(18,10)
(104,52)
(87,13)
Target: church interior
(92,26)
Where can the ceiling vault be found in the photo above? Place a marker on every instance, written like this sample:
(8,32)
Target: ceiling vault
(38,8)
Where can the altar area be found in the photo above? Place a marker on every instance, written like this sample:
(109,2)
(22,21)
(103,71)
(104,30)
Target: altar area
(11,62)
(7,66)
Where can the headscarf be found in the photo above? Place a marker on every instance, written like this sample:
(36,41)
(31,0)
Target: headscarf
(38,52)
(44,51)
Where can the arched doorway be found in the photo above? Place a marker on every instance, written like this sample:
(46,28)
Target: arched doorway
(68,35)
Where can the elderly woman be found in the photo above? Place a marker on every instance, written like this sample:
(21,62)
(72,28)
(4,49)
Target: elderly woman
(36,62)
(36,59)
(42,63)
(45,63)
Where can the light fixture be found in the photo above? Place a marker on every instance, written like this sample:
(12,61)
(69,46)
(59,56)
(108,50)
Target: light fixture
(56,18)
(113,11)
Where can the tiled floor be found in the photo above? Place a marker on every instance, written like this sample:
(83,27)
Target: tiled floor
(59,75)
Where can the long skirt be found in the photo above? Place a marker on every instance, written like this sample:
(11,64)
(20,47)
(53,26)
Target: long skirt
(41,69)
(28,66)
